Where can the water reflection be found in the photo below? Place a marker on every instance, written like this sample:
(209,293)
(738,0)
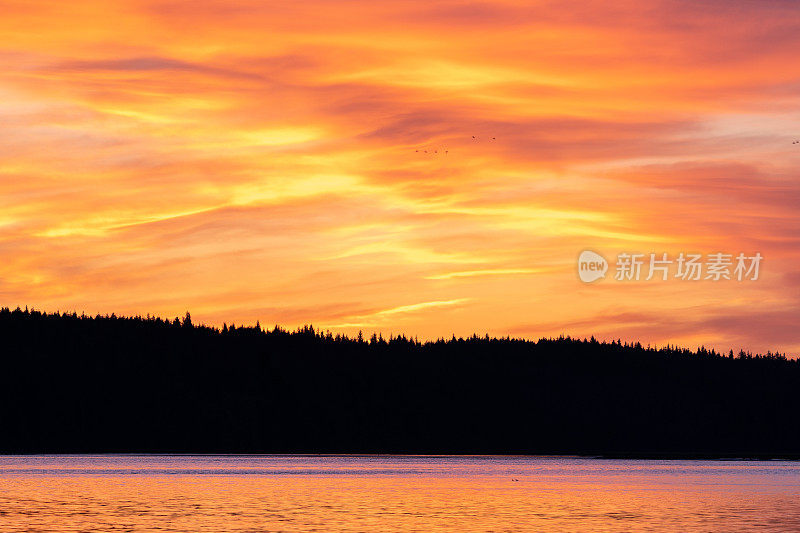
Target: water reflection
(367,493)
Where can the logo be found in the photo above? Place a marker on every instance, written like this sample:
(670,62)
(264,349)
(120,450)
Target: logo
(662,266)
(591,266)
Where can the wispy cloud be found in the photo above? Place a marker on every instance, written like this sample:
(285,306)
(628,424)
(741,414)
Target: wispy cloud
(487,272)
(332,161)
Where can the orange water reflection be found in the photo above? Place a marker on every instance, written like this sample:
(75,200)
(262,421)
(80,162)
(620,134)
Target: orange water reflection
(221,494)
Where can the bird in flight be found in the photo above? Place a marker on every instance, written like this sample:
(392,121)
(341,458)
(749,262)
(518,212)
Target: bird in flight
(418,150)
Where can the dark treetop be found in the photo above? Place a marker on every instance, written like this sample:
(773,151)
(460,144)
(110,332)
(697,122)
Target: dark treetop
(77,384)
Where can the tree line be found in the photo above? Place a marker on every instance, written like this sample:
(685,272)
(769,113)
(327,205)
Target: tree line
(73,383)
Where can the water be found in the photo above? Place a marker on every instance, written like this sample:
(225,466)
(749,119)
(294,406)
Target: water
(369,493)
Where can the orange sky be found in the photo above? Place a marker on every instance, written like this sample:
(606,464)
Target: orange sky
(257,160)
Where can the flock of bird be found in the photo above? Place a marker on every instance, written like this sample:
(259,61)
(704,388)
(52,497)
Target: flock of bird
(445,152)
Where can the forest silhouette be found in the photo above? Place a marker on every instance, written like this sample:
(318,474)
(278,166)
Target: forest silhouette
(107,384)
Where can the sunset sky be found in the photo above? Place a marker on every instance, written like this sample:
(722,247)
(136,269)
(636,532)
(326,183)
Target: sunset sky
(252,160)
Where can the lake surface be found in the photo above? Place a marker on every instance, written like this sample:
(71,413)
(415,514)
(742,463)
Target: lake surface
(394,493)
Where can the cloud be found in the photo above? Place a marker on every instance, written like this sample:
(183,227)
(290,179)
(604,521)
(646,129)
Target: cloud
(147,64)
(257,160)
(759,329)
